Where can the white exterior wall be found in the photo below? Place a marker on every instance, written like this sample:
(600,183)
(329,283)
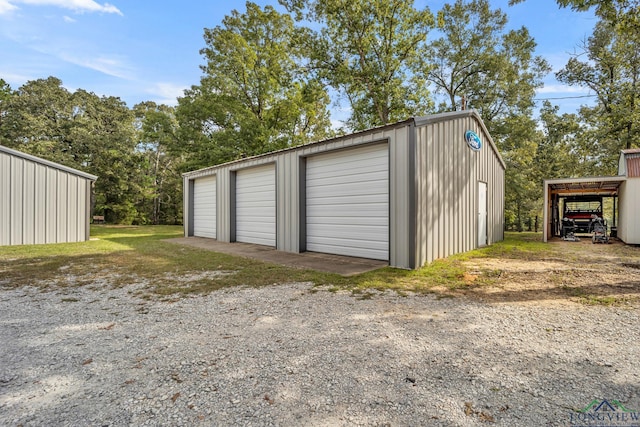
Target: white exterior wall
(42,202)
(629,207)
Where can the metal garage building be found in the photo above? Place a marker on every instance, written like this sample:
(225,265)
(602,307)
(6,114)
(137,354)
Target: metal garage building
(624,189)
(42,201)
(407,193)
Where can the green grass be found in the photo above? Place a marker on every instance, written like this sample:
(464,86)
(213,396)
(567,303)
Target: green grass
(139,253)
(124,255)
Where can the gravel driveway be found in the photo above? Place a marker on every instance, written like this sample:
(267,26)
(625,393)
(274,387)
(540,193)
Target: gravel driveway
(296,355)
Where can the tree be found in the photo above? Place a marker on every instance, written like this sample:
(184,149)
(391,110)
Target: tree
(254,96)
(611,69)
(83,131)
(559,147)
(368,50)
(103,138)
(36,120)
(5,95)
(476,64)
(158,143)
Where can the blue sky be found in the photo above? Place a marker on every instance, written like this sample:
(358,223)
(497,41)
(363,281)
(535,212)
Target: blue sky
(142,50)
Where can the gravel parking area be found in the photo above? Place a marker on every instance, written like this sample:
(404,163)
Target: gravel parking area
(295,355)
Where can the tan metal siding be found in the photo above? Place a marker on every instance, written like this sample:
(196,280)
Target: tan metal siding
(51,216)
(41,204)
(17,178)
(5,195)
(629,205)
(447,174)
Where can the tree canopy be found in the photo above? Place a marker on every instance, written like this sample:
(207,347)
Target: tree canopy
(254,96)
(269,78)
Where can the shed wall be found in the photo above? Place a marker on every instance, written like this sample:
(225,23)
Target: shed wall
(629,206)
(447,176)
(41,204)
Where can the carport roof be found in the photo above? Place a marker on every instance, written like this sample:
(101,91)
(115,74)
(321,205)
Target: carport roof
(597,185)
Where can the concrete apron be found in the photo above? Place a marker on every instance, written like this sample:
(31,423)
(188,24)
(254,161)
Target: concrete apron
(328,263)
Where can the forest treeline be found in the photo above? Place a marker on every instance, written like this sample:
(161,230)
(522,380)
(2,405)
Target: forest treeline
(270,78)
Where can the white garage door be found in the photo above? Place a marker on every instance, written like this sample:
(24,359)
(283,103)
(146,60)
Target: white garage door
(348,202)
(204,207)
(256,205)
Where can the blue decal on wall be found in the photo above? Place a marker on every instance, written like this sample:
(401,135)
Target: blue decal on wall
(473,140)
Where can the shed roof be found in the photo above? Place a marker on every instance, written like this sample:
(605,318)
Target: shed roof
(47,163)
(630,163)
(595,185)
(417,121)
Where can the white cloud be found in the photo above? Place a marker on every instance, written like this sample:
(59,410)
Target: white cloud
(111,66)
(68,19)
(78,6)
(166,93)
(6,7)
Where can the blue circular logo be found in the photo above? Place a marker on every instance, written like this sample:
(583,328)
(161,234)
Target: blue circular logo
(473,140)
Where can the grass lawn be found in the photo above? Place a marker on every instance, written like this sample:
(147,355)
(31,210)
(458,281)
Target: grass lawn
(122,255)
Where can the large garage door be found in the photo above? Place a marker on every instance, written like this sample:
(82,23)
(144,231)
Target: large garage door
(348,202)
(256,205)
(204,207)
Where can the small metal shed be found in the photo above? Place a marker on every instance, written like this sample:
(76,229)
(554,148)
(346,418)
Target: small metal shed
(42,201)
(623,188)
(629,198)
(407,193)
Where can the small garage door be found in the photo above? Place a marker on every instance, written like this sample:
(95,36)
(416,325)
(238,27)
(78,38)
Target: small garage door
(204,207)
(256,205)
(348,202)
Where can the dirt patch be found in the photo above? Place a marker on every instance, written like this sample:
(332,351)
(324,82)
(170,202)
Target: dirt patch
(574,272)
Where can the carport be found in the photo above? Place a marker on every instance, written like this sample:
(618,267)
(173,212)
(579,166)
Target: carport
(576,188)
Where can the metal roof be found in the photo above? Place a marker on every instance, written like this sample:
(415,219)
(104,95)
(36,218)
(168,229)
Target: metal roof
(597,185)
(417,121)
(47,163)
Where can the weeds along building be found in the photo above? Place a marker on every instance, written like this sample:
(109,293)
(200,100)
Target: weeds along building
(42,201)
(408,193)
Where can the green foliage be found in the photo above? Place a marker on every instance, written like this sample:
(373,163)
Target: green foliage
(254,96)
(477,63)
(369,51)
(83,131)
(611,69)
(159,145)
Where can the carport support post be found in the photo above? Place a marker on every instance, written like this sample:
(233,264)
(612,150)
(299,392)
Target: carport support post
(545,212)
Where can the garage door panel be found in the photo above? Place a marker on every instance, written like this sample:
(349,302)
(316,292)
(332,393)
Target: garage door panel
(256,205)
(351,170)
(350,221)
(362,232)
(348,202)
(339,187)
(364,249)
(204,207)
